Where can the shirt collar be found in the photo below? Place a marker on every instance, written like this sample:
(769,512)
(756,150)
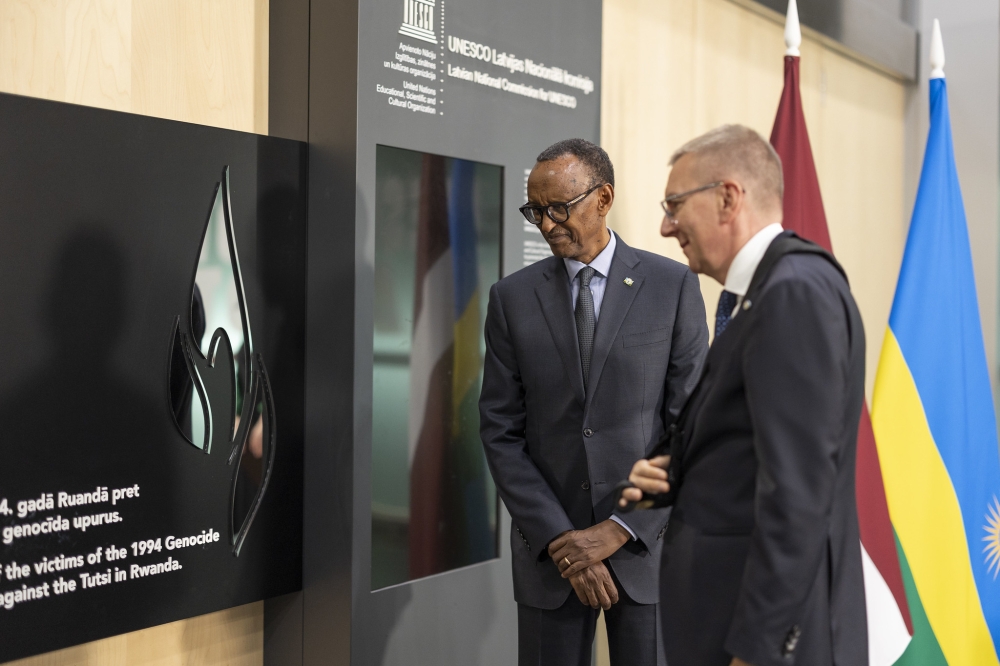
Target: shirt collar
(601,263)
(748,258)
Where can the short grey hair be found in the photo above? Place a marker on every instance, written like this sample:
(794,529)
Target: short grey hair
(736,150)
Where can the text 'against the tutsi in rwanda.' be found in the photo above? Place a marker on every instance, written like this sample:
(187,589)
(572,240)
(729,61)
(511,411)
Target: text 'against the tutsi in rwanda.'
(52,519)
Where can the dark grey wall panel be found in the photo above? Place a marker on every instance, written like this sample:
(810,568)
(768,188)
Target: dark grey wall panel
(288,69)
(288,117)
(466,616)
(330,334)
(373,82)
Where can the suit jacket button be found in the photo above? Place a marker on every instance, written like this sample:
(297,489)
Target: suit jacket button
(585,485)
(587,432)
(791,640)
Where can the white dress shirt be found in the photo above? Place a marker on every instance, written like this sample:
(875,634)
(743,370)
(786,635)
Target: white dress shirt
(598,283)
(747,260)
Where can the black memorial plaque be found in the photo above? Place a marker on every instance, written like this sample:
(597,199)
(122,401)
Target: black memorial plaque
(152,290)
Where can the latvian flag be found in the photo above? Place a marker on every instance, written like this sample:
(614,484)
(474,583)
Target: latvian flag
(889,625)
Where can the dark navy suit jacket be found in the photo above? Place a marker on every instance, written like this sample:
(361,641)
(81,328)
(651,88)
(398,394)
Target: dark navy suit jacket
(762,559)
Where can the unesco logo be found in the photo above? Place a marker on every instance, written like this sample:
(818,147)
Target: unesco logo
(418,20)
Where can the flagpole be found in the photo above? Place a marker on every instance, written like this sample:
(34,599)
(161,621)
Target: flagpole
(937,51)
(803,203)
(793,32)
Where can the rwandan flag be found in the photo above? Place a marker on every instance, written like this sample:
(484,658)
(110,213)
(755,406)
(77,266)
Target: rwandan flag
(935,426)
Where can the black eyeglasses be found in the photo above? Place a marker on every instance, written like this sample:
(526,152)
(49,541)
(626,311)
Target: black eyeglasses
(557,212)
(668,203)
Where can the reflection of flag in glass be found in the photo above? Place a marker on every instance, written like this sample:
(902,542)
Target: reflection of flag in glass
(448,510)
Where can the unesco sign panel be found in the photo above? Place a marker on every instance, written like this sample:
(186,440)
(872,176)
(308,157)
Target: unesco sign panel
(455,99)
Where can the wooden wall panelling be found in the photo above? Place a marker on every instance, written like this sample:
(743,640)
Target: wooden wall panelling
(194,61)
(75,51)
(98,52)
(673,70)
(233,637)
(261,65)
(199,62)
(855,118)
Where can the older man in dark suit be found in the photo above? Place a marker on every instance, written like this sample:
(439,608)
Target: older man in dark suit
(590,355)
(761,562)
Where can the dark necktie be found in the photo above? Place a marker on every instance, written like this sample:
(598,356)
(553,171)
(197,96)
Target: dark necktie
(727,301)
(585,321)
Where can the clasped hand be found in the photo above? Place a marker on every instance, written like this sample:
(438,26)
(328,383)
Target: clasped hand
(649,476)
(580,555)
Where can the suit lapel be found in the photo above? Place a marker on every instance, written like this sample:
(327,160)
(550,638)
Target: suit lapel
(557,308)
(618,298)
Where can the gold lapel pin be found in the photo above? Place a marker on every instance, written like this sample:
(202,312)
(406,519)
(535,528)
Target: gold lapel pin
(629,282)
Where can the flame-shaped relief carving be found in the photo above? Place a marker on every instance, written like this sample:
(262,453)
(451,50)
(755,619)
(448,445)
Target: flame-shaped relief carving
(218,385)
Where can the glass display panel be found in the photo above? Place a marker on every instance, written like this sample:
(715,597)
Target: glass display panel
(437,252)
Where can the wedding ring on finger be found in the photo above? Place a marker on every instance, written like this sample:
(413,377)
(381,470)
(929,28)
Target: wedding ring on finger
(568,563)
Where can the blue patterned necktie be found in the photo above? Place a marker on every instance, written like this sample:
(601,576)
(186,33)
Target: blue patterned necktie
(585,321)
(727,301)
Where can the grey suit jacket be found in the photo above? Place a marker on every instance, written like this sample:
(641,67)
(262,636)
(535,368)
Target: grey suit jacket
(557,452)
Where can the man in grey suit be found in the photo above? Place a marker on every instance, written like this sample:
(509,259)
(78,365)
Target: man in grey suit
(590,355)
